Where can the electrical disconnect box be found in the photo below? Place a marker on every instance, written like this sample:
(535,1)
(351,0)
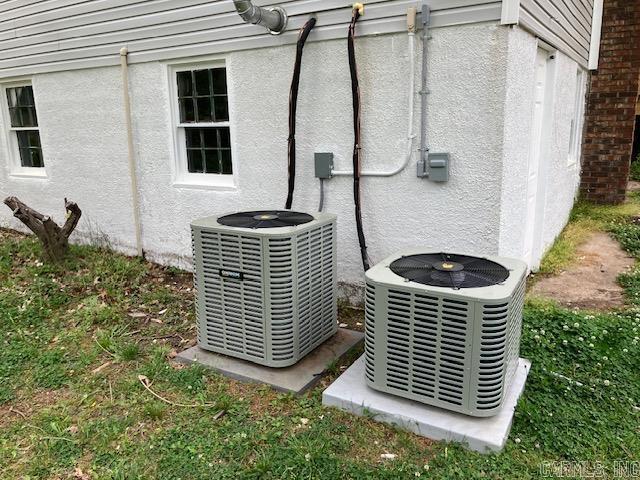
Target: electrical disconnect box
(324,164)
(435,168)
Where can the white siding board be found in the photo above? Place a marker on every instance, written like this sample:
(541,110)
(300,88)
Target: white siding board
(8,5)
(572,14)
(99,11)
(57,35)
(566,24)
(532,24)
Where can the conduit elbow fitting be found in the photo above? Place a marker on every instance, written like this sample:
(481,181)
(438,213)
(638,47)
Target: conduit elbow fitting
(273,19)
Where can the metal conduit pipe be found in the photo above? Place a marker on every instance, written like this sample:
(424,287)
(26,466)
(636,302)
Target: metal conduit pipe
(273,19)
(424,91)
(411,29)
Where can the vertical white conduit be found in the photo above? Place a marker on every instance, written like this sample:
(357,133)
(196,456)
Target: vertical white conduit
(411,29)
(131,152)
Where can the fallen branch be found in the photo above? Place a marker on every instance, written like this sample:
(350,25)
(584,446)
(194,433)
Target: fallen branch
(146,383)
(55,239)
(97,370)
(15,410)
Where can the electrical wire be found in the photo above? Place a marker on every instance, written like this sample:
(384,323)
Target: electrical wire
(355,92)
(321,206)
(293,107)
(410,128)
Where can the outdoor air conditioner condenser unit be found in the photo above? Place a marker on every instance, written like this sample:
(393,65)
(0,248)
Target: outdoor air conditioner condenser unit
(266,283)
(444,329)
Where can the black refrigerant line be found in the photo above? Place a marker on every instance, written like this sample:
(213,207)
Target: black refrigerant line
(293,106)
(355,92)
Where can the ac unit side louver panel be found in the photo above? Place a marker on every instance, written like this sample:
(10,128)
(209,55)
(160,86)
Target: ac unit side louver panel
(267,295)
(455,349)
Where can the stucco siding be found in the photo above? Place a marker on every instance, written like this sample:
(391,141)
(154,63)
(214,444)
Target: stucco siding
(83,138)
(465,119)
(565,24)
(561,177)
(517,128)
(53,35)
(564,177)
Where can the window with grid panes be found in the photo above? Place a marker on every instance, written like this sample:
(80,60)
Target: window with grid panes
(204,116)
(24,124)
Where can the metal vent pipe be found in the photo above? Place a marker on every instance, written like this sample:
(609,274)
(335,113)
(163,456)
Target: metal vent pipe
(273,19)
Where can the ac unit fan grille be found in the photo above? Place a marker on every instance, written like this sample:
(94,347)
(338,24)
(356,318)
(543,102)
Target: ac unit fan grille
(449,270)
(265,219)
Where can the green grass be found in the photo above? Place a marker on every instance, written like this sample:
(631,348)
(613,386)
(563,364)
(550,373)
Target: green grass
(586,218)
(634,173)
(74,343)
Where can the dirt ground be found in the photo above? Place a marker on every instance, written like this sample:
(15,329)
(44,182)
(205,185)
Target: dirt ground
(591,282)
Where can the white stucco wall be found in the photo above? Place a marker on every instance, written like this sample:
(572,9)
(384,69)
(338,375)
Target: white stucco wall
(564,178)
(561,179)
(398,211)
(83,138)
(472,88)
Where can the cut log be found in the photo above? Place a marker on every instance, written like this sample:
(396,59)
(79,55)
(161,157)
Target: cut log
(55,239)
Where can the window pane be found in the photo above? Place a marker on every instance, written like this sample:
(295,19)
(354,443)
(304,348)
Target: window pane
(221,108)
(208,150)
(204,109)
(12,97)
(22,108)
(28,117)
(202,82)
(225,141)
(187,113)
(219,81)
(212,161)
(33,138)
(25,96)
(185,89)
(226,162)
(23,139)
(202,95)
(20,96)
(193,137)
(210,137)
(36,157)
(194,160)
(30,150)
(15,117)
(25,157)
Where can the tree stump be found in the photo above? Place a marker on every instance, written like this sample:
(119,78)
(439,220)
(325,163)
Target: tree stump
(55,239)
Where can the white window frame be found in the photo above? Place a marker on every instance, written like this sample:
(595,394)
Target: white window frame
(14,162)
(181,175)
(577,121)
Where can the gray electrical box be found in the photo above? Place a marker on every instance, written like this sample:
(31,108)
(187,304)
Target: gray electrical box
(324,164)
(436,168)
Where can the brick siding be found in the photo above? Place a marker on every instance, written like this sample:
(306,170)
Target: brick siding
(611,105)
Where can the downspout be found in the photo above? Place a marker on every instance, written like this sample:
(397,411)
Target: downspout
(273,19)
(124,52)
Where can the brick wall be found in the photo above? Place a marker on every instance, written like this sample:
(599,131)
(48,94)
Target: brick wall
(611,104)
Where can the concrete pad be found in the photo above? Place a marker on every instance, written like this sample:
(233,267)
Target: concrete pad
(296,378)
(349,392)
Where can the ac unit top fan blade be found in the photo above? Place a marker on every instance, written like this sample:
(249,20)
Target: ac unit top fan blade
(450,270)
(265,219)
